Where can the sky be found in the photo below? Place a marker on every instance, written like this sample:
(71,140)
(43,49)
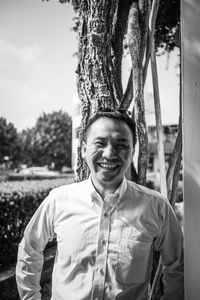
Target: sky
(37,66)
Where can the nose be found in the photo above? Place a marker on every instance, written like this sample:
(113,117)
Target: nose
(109,152)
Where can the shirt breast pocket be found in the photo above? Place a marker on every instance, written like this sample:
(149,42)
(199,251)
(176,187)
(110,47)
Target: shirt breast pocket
(133,261)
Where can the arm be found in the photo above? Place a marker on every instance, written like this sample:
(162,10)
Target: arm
(170,245)
(37,234)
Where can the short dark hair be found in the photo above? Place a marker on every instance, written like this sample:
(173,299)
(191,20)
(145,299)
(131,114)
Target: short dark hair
(116,114)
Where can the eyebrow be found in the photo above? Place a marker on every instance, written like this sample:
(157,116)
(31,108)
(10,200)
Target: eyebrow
(117,139)
(100,138)
(122,139)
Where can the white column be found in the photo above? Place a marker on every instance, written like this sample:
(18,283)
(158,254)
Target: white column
(190,27)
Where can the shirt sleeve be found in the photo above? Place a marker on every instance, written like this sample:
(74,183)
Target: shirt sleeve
(170,245)
(37,234)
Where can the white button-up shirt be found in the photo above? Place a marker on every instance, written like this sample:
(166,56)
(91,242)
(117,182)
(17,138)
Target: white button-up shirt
(104,247)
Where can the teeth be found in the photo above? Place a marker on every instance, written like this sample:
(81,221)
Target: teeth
(109,166)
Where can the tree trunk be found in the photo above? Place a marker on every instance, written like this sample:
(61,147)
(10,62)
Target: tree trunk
(137,33)
(96,84)
(102,30)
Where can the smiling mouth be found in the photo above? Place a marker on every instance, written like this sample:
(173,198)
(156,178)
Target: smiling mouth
(108,166)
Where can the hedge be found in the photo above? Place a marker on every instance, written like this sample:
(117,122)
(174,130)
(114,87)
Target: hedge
(22,177)
(18,202)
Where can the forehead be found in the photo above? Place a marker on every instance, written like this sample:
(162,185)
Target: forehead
(104,127)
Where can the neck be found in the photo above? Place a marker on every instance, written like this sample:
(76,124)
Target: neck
(104,190)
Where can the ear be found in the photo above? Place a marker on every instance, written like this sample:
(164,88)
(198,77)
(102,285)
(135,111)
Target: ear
(83,149)
(133,152)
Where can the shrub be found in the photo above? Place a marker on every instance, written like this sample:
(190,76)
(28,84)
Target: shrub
(20,177)
(18,202)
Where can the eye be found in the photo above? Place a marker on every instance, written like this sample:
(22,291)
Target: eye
(122,146)
(99,143)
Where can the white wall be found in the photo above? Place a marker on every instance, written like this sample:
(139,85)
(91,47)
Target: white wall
(190,16)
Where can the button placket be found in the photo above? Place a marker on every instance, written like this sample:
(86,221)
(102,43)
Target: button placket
(102,248)
(101,255)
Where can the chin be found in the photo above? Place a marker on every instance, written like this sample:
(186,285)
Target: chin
(111,179)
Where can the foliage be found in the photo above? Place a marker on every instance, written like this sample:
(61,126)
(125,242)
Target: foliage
(49,141)
(27,147)
(9,143)
(20,177)
(18,202)
(167,22)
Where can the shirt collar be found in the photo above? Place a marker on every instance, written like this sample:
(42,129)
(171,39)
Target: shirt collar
(93,194)
(122,188)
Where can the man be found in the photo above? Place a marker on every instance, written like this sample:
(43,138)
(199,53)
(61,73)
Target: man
(106,227)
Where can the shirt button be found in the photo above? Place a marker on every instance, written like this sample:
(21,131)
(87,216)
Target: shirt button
(105,214)
(108,285)
(101,272)
(103,242)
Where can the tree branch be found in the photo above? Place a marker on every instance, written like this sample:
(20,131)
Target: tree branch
(159,127)
(151,32)
(119,30)
(144,7)
(174,163)
(173,197)
(143,18)
(134,42)
(128,95)
(172,183)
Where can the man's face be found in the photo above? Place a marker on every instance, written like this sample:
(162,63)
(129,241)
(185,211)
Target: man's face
(108,151)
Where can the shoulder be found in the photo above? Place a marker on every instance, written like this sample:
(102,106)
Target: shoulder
(151,203)
(74,187)
(62,197)
(146,193)
(143,189)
